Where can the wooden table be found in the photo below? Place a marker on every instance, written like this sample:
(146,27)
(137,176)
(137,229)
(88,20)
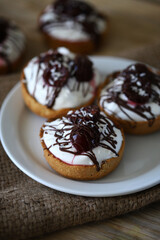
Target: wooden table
(141,225)
(133,24)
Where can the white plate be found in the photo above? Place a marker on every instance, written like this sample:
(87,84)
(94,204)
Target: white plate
(139,169)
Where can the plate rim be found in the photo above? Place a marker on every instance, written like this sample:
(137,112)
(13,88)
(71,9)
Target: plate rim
(44,182)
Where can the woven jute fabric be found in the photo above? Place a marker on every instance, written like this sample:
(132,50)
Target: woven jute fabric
(29,209)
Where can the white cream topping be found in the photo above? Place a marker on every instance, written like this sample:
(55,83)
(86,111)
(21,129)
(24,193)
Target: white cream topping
(14,44)
(114,109)
(68,30)
(101,153)
(69,96)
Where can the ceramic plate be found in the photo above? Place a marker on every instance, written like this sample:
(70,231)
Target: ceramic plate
(138,170)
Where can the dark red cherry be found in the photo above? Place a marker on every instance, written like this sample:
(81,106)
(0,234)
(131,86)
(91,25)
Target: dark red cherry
(3,29)
(83,69)
(137,84)
(85,138)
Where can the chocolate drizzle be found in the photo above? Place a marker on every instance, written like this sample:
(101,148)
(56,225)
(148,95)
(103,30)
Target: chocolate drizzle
(55,73)
(84,129)
(78,11)
(72,8)
(58,69)
(139,85)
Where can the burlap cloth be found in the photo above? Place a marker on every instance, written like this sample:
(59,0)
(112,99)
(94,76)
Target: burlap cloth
(29,209)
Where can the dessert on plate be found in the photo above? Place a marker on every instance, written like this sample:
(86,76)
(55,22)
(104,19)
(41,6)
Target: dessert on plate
(83,145)
(57,81)
(74,24)
(12,45)
(132,98)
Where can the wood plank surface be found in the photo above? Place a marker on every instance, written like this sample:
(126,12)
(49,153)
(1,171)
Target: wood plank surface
(140,225)
(133,24)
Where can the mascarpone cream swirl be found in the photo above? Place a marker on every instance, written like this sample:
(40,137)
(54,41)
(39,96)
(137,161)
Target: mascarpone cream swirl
(133,94)
(83,137)
(54,86)
(72,20)
(12,42)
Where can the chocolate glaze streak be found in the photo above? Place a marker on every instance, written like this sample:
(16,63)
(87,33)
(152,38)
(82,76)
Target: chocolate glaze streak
(84,133)
(58,70)
(139,86)
(71,10)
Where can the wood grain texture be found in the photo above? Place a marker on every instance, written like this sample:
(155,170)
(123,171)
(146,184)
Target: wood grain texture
(143,224)
(133,24)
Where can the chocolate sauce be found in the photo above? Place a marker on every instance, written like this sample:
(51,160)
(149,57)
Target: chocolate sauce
(85,133)
(77,11)
(139,87)
(57,71)
(86,114)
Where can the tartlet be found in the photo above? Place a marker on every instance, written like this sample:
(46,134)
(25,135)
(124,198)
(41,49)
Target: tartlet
(58,81)
(74,24)
(132,98)
(12,46)
(83,145)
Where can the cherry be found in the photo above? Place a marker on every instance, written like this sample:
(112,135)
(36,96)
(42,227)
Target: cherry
(84,137)
(137,84)
(56,74)
(83,69)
